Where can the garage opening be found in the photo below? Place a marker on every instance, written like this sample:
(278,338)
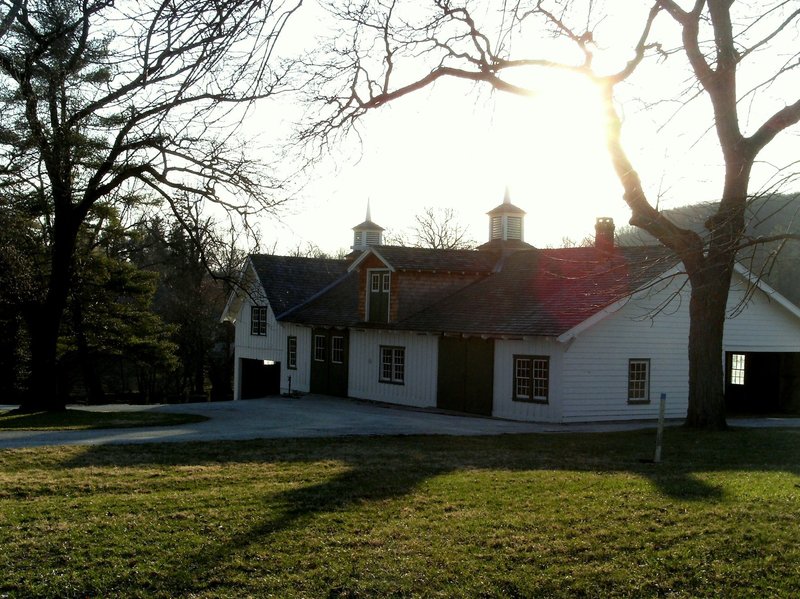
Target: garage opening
(260,378)
(762,383)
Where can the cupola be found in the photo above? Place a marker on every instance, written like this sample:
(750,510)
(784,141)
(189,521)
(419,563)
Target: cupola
(367,234)
(506,222)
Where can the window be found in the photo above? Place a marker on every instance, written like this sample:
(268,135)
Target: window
(258,320)
(337,350)
(393,365)
(638,381)
(738,362)
(386,283)
(291,353)
(319,348)
(376,282)
(531,378)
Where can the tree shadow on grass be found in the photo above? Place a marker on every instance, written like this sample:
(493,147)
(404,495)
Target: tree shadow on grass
(375,470)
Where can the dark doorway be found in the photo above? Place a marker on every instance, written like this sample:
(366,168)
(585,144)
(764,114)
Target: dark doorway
(259,379)
(329,361)
(466,375)
(762,383)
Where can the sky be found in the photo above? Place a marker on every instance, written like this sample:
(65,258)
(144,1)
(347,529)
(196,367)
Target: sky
(457,145)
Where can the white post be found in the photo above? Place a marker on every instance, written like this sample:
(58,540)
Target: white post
(660,433)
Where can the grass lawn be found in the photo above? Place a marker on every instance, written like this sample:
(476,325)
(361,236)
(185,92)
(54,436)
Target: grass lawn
(512,516)
(78,420)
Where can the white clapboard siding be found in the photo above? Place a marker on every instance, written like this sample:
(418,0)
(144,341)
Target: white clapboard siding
(421,354)
(595,385)
(763,325)
(596,364)
(504,404)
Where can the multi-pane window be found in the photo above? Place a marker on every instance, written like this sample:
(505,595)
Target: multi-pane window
(639,380)
(737,369)
(376,282)
(337,349)
(393,364)
(319,348)
(258,320)
(531,378)
(386,282)
(291,353)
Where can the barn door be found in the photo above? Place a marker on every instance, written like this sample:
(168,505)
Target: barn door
(329,362)
(380,283)
(466,375)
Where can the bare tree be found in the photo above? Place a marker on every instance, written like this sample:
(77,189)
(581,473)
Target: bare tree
(104,101)
(386,51)
(435,228)
(438,228)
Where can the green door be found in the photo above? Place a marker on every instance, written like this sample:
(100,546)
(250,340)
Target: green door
(380,283)
(329,362)
(466,375)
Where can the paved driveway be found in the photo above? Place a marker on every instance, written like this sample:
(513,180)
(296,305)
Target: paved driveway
(310,416)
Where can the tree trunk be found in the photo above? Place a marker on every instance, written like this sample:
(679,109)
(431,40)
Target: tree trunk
(707,307)
(45,322)
(43,393)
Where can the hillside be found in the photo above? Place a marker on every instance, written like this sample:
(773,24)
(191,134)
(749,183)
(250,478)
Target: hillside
(766,216)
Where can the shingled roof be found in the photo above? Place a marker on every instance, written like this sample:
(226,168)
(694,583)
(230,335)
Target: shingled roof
(290,281)
(426,259)
(537,292)
(337,307)
(544,292)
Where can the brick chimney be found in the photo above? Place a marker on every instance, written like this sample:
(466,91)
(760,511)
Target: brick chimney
(604,233)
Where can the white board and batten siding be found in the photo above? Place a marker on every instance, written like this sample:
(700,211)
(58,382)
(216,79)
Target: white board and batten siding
(595,366)
(421,361)
(272,346)
(504,404)
(763,325)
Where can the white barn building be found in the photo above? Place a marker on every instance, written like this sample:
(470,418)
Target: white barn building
(507,330)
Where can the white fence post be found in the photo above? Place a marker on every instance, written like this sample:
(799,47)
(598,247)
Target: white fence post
(660,433)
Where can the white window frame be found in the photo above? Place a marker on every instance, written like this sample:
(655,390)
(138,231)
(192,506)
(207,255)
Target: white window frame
(392,365)
(337,353)
(320,349)
(258,320)
(738,370)
(291,352)
(639,380)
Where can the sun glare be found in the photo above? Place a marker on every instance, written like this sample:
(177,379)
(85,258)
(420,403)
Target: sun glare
(555,158)
(459,147)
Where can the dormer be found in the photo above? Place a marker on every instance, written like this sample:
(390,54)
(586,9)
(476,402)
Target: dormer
(367,234)
(395,282)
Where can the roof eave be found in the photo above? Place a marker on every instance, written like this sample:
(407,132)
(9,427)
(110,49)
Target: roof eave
(364,255)
(771,293)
